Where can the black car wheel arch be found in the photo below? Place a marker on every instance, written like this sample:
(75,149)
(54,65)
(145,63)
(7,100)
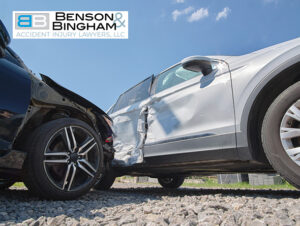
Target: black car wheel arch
(41,105)
(48,105)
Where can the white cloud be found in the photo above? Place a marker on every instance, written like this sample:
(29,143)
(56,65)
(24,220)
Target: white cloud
(198,15)
(223,14)
(179,1)
(176,13)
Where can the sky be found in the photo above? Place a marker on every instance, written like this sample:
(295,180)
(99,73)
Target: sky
(161,33)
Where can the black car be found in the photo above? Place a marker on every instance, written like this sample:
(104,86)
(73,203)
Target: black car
(52,139)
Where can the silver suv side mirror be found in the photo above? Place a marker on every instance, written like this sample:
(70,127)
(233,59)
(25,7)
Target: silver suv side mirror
(198,64)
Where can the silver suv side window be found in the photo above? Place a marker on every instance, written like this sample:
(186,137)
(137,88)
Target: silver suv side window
(174,76)
(136,94)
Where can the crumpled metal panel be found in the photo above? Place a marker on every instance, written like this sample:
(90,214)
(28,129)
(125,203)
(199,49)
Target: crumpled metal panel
(130,131)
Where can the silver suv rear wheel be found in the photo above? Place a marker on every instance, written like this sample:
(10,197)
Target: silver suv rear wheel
(171,182)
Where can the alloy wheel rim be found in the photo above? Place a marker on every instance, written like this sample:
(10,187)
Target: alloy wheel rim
(290,132)
(71,158)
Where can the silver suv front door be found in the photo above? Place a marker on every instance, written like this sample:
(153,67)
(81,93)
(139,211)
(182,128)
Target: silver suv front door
(191,112)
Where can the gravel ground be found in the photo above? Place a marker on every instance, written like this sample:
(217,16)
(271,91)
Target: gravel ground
(142,204)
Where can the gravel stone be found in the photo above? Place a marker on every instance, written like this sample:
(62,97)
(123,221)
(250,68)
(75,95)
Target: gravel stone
(148,204)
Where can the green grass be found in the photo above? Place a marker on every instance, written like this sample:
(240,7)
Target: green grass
(19,184)
(212,183)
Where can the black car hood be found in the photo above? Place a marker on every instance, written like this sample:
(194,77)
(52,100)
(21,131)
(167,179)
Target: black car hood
(72,96)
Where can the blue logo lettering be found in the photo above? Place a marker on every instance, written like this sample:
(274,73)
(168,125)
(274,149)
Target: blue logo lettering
(25,21)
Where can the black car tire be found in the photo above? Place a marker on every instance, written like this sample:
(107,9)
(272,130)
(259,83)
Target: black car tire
(37,178)
(171,182)
(271,139)
(4,184)
(106,181)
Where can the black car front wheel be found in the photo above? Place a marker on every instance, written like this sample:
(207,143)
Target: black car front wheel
(171,182)
(281,134)
(64,159)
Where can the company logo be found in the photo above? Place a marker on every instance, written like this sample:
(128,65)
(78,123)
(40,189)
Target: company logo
(32,21)
(70,25)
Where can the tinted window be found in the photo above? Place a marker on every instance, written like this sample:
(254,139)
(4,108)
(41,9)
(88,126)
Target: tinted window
(138,93)
(174,76)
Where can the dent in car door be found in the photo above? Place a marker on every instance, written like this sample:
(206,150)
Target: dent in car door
(193,116)
(129,115)
(14,100)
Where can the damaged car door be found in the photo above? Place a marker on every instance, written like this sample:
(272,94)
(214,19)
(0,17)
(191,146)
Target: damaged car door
(191,113)
(129,116)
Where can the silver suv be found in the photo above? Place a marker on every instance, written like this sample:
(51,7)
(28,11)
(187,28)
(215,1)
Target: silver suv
(216,114)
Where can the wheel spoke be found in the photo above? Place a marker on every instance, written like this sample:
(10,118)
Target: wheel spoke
(66,177)
(87,150)
(68,139)
(88,164)
(293,151)
(296,157)
(288,133)
(85,144)
(56,161)
(72,177)
(295,113)
(73,138)
(84,169)
(56,154)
